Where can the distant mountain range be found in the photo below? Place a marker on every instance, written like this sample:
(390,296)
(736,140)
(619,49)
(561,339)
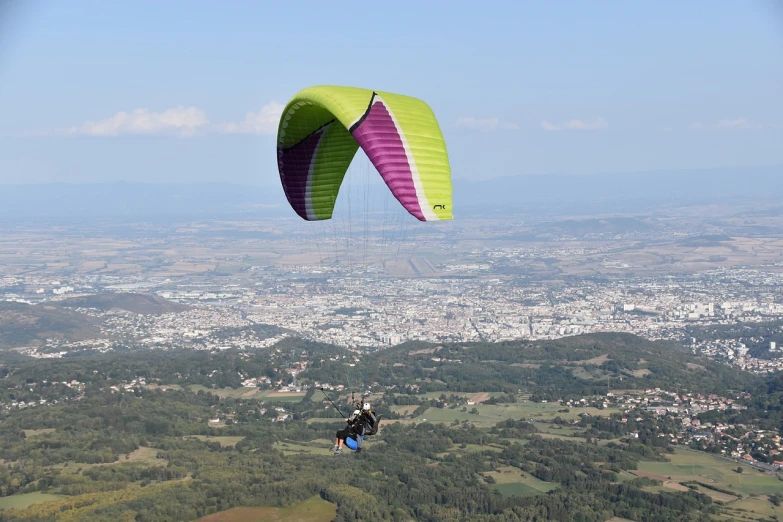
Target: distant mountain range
(137,200)
(627,192)
(536,194)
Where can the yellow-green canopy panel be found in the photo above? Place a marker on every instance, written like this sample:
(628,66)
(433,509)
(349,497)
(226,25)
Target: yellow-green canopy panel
(321,129)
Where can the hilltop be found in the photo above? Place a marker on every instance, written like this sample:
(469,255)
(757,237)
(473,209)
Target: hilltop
(144,304)
(26,325)
(22,324)
(577,365)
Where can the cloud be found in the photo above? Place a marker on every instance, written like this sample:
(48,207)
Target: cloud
(264,121)
(182,121)
(485,124)
(178,121)
(596,124)
(737,124)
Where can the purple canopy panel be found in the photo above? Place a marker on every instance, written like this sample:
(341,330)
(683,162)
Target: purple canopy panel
(381,140)
(296,168)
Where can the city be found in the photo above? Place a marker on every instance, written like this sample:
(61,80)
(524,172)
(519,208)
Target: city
(472,294)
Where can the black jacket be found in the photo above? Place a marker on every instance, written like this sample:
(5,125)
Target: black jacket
(369,423)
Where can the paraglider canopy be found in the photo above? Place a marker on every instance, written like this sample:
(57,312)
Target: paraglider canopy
(322,128)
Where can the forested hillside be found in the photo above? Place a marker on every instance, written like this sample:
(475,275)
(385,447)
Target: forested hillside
(175,435)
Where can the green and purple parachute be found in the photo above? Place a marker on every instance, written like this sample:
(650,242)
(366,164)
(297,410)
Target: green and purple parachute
(322,128)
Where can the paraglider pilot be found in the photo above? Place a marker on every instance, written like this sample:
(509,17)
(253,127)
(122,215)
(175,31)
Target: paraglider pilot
(360,424)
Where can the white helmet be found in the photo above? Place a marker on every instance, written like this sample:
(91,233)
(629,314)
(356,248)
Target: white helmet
(356,412)
(366,406)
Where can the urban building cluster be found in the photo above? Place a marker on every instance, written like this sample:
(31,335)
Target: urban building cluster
(758,447)
(356,307)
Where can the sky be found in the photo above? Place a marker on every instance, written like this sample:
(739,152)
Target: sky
(191,91)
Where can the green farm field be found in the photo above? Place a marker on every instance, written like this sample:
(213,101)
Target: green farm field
(468,395)
(225,441)
(686,465)
(142,457)
(491,415)
(249,393)
(753,508)
(312,510)
(512,481)
(27,499)
(315,447)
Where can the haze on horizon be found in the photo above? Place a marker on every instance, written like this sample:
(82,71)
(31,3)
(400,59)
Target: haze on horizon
(185,92)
